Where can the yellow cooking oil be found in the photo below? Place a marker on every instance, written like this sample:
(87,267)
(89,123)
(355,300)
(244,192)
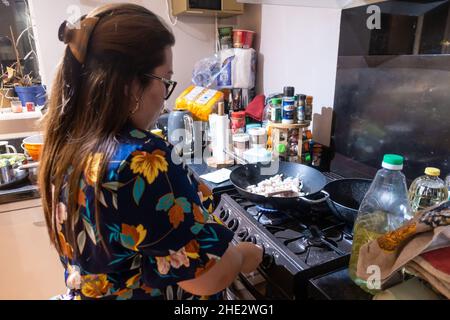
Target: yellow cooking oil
(367,228)
(428,190)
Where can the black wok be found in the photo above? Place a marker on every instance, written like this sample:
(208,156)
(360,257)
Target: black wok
(346,196)
(251,174)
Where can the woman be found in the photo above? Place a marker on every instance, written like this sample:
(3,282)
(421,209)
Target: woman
(127,222)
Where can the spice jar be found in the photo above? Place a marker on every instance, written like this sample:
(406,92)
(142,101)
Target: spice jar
(241,143)
(238,122)
(276,110)
(258,138)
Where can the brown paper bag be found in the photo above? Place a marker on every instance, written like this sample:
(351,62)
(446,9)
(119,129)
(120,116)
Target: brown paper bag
(429,230)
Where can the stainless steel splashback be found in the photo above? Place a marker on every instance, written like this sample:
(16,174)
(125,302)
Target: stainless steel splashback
(394,104)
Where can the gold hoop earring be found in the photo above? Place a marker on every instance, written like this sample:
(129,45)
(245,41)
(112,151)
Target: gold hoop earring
(138,103)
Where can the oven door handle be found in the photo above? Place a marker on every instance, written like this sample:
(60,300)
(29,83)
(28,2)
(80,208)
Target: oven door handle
(250,288)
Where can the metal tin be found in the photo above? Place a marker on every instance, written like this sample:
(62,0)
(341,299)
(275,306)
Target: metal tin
(288,110)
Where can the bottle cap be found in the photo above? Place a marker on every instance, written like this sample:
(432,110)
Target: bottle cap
(393,162)
(281,148)
(434,172)
(289,91)
(277,101)
(307,157)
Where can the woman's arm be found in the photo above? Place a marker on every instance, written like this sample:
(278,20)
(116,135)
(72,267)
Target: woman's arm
(245,258)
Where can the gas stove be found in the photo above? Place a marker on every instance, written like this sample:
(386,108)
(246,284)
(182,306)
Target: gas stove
(299,244)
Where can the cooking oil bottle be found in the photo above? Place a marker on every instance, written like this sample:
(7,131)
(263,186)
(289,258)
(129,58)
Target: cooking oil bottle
(384,208)
(447,183)
(428,190)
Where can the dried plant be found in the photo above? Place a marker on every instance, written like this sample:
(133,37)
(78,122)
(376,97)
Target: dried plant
(13,75)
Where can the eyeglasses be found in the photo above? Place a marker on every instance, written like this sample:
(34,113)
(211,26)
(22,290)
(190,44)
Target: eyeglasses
(170,85)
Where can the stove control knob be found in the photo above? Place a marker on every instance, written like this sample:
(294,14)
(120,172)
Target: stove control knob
(233,225)
(242,234)
(252,239)
(267,261)
(224,215)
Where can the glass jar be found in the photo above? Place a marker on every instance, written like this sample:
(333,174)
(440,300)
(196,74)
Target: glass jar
(241,143)
(258,138)
(238,122)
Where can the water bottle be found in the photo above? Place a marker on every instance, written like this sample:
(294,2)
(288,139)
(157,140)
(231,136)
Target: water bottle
(384,208)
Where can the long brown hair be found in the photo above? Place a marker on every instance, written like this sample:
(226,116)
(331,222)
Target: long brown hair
(89,106)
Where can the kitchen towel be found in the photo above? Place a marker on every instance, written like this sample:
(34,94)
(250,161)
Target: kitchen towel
(238,69)
(255,109)
(222,124)
(429,230)
(434,268)
(217,176)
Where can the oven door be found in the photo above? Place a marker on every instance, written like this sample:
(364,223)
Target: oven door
(255,286)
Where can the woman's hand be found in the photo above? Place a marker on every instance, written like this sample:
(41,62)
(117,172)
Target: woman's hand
(252,256)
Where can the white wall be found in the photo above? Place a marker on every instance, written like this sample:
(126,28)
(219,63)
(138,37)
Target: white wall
(299,47)
(194,35)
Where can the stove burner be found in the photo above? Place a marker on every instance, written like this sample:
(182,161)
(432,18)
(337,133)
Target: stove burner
(266,209)
(313,234)
(267,217)
(306,238)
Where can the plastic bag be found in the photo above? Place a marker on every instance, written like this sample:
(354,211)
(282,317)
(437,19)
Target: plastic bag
(210,72)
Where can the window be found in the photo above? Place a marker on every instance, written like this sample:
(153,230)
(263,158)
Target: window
(15,15)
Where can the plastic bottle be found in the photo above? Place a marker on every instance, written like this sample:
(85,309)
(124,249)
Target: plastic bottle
(428,190)
(447,182)
(267,115)
(384,208)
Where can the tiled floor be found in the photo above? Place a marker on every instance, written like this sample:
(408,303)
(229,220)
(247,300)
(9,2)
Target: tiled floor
(29,266)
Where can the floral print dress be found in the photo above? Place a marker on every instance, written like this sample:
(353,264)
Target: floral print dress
(155,222)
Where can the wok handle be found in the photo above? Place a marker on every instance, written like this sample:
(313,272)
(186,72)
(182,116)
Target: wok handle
(325,198)
(235,156)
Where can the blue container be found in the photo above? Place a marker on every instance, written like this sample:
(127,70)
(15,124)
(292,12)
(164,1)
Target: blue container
(41,95)
(35,94)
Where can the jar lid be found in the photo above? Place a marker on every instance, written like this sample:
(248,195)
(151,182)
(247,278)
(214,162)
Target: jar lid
(434,172)
(252,126)
(393,162)
(276,101)
(238,114)
(257,132)
(242,137)
(281,148)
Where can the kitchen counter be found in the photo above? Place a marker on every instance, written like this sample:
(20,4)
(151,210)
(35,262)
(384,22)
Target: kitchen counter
(26,191)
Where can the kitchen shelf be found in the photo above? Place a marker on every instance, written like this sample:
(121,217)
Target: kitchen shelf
(5,116)
(289,126)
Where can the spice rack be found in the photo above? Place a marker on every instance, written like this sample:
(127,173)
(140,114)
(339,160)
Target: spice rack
(288,135)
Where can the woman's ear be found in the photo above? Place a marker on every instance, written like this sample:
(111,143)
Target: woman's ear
(134,90)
